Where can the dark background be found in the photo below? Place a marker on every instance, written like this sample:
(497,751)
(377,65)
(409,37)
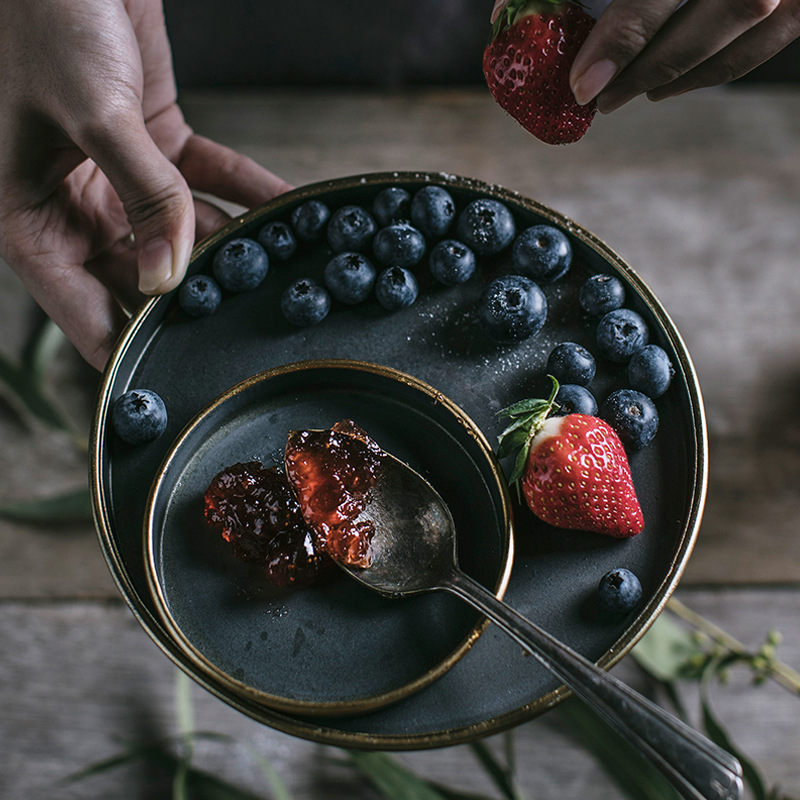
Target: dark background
(384,43)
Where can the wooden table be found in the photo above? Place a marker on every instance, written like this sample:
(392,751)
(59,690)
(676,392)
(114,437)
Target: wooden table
(700,194)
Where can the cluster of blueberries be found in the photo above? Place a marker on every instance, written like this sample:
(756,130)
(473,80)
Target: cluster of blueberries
(374,252)
(622,336)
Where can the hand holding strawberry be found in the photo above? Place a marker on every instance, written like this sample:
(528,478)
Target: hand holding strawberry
(527,65)
(573,470)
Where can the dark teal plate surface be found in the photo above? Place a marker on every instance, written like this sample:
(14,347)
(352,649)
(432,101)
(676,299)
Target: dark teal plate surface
(437,340)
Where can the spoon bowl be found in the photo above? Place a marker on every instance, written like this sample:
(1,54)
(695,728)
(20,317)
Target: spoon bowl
(413,550)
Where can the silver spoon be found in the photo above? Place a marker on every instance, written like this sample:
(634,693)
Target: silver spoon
(414,551)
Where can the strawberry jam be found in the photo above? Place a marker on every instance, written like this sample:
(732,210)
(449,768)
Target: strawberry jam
(332,472)
(259,515)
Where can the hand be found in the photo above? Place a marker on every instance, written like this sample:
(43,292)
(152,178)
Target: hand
(662,48)
(97,161)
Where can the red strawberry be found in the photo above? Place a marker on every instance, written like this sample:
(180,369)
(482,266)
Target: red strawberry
(573,469)
(527,63)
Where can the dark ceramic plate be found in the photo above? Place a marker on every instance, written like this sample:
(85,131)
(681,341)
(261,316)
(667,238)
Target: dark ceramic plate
(437,340)
(331,648)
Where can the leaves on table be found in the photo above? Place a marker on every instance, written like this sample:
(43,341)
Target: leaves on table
(74,505)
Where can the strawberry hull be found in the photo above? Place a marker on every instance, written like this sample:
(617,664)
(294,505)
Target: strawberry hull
(527,66)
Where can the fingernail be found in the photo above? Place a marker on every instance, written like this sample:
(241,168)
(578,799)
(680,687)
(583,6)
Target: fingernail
(593,80)
(155,265)
(613,99)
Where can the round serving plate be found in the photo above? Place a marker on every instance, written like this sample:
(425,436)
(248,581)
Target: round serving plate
(438,340)
(334,647)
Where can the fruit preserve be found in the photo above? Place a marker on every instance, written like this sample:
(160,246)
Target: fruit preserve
(293,522)
(332,472)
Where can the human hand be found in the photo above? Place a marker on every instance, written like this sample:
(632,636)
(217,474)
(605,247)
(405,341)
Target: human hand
(662,48)
(97,161)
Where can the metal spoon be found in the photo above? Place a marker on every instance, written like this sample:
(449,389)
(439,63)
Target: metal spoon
(414,551)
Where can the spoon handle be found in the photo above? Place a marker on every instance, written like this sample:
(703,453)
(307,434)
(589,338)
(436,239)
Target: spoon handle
(697,768)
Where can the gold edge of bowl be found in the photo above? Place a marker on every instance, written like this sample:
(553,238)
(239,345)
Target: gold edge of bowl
(201,664)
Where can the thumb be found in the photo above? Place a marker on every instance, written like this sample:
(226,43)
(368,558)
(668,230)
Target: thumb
(156,199)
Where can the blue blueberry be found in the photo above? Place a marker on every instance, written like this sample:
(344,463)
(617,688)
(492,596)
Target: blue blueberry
(451,262)
(512,308)
(600,294)
(396,288)
(240,265)
(350,228)
(399,245)
(139,416)
(574,399)
(619,592)
(309,219)
(650,371)
(486,225)
(349,277)
(542,253)
(433,210)
(199,295)
(393,204)
(305,302)
(278,240)
(632,415)
(569,362)
(620,333)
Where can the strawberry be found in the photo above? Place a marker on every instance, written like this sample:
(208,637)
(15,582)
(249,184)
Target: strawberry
(572,469)
(527,63)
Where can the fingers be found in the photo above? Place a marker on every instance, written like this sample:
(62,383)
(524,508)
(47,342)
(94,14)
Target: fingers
(155,196)
(637,46)
(217,170)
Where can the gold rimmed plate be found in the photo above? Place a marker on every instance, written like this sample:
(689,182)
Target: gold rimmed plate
(191,362)
(334,647)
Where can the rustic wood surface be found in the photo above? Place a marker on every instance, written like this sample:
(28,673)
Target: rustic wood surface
(701,195)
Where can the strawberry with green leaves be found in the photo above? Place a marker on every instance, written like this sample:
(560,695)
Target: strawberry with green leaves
(527,63)
(572,469)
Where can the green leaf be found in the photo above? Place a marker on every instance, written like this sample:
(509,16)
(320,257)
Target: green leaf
(621,761)
(717,733)
(665,649)
(502,777)
(512,442)
(532,406)
(41,350)
(72,506)
(519,464)
(391,778)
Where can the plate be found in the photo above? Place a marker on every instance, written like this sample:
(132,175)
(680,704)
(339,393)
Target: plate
(437,340)
(331,648)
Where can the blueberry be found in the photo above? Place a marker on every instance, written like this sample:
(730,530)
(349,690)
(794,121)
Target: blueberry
(139,416)
(393,204)
(574,399)
(432,211)
(512,308)
(240,265)
(350,228)
(620,333)
(309,219)
(601,294)
(542,253)
(451,262)
(569,362)
(618,593)
(278,240)
(650,371)
(350,277)
(396,288)
(399,245)
(632,415)
(486,226)
(199,295)
(305,302)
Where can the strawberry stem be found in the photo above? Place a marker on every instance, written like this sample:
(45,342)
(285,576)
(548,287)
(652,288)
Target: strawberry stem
(527,418)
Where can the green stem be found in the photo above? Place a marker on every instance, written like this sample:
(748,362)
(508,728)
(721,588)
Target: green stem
(781,673)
